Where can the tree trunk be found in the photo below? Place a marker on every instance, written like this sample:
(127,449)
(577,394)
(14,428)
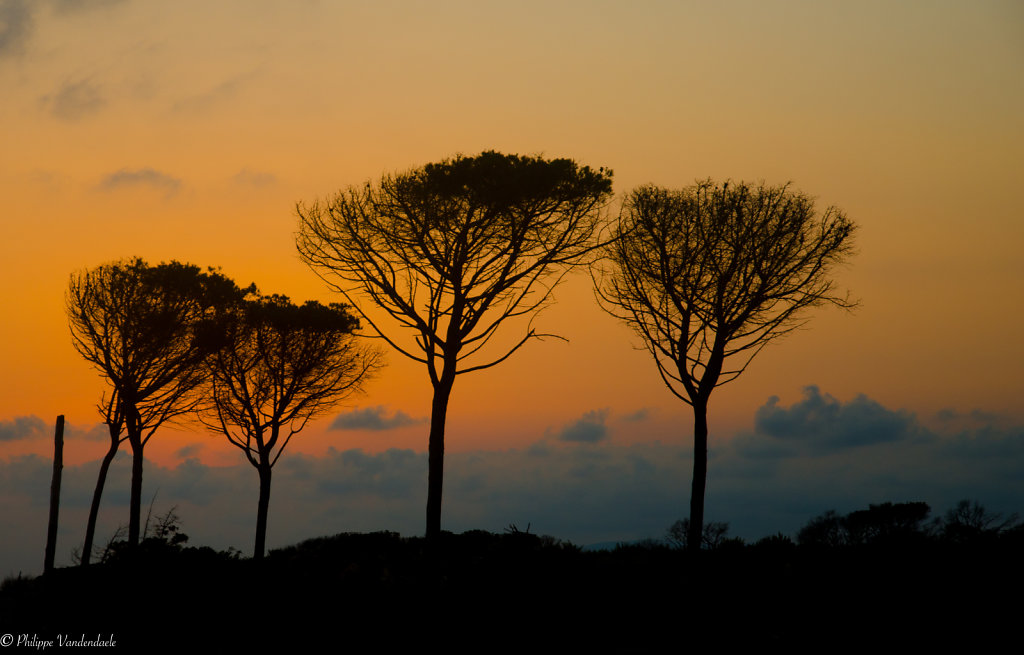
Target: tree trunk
(58,467)
(261,511)
(94,509)
(700,475)
(135,505)
(435,454)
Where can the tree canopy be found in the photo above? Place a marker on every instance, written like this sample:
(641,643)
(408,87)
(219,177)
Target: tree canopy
(147,329)
(710,274)
(281,365)
(452,250)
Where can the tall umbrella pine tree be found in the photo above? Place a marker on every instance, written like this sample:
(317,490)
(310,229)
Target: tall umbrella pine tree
(282,365)
(451,251)
(708,275)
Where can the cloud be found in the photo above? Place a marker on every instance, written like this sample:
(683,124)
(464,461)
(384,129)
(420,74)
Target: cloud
(71,6)
(190,450)
(17,19)
(23,427)
(373,418)
(822,423)
(951,419)
(74,100)
(34,427)
(16,23)
(227,89)
(393,474)
(589,429)
(603,493)
(250,178)
(126,178)
(638,416)
(95,432)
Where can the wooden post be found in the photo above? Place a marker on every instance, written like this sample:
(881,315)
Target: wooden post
(58,466)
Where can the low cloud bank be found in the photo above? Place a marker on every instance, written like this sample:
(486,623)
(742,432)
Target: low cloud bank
(817,454)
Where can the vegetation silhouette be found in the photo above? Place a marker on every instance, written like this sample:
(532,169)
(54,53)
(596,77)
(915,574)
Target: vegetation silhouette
(280,366)
(450,251)
(710,274)
(969,522)
(382,590)
(884,523)
(713,534)
(147,330)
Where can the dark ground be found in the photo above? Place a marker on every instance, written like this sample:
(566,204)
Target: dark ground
(484,592)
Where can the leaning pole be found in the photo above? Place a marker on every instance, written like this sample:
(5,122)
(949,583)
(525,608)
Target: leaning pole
(58,465)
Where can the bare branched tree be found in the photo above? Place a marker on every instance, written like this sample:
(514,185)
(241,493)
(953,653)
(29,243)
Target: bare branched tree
(147,329)
(709,275)
(281,366)
(451,251)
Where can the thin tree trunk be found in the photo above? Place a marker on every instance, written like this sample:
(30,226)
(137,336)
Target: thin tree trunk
(135,506)
(700,475)
(435,454)
(261,511)
(97,494)
(58,466)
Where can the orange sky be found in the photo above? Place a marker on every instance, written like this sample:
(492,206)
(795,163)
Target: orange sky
(189,130)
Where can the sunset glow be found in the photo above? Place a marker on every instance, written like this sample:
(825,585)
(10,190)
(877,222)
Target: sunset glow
(189,131)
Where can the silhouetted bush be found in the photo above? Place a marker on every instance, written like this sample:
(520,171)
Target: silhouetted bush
(713,535)
(776,541)
(888,523)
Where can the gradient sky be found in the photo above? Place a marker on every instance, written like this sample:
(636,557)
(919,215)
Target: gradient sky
(189,130)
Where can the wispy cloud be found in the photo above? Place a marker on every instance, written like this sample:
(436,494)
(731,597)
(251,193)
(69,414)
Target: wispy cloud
(70,6)
(638,416)
(189,450)
(251,178)
(22,427)
(202,102)
(373,418)
(140,177)
(74,100)
(17,19)
(16,23)
(588,429)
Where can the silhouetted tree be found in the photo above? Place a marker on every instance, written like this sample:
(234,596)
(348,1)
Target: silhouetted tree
(281,365)
(708,275)
(113,416)
(969,521)
(450,251)
(147,329)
